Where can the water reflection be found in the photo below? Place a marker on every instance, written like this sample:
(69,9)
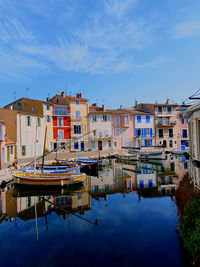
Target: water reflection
(147,178)
(144,225)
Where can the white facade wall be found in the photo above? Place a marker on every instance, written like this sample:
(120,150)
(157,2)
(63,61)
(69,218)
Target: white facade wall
(26,136)
(103,132)
(145,125)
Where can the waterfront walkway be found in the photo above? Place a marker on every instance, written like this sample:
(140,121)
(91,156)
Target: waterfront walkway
(61,155)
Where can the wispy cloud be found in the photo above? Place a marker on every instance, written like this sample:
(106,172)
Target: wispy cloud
(186,29)
(12,29)
(118,7)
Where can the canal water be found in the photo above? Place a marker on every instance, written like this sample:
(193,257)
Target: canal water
(127,216)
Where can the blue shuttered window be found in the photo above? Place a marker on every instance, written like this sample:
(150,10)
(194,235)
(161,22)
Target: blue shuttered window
(142,132)
(145,143)
(79,129)
(136,133)
(151,132)
(151,143)
(145,132)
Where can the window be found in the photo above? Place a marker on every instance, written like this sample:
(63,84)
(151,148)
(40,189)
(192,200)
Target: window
(147,118)
(148,132)
(60,111)
(93,117)
(147,142)
(75,145)
(23,150)
(125,119)
(78,115)
(160,121)
(33,109)
(167,121)
(48,107)
(160,109)
(93,144)
(48,118)
(105,118)
(183,121)
(172,166)
(170,132)
(77,129)
(169,109)
(109,143)
(138,118)
(60,134)
(105,134)
(11,150)
(115,143)
(117,132)
(124,133)
(184,133)
(60,121)
(170,180)
(39,122)
(77,102)
(160,133)
(117,121)
(170,143)
(28,121)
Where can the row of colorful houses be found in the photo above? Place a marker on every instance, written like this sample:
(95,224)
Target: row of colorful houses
(72,125)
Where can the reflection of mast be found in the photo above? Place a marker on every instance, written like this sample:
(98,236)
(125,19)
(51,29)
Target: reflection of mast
(45,214)
(36,225)
(76,215)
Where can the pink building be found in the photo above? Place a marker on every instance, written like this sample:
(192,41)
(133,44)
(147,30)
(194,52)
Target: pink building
(123,125)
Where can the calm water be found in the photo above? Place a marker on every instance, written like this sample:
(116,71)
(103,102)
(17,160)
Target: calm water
(130,213)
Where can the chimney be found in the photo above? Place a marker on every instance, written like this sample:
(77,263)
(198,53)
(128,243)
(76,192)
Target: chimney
(48,99)
(136,103)
(94,105)
(167,102)
(120,106)
(79,95)
(63,94)
(103,107)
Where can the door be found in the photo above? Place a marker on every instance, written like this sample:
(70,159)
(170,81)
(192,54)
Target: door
(99,145)
(8,154)
(164,143)
(82,146)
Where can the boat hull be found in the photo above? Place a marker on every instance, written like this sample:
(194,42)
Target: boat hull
(152,155)
(49,180)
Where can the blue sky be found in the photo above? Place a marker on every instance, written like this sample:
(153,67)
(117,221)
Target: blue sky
(113,51)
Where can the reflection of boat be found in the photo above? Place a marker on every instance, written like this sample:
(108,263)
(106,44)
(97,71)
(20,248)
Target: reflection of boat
(47,179)
(152,155)
(25,191)
(127,156)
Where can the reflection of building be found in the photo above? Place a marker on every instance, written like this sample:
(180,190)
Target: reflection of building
(20,204)
(173,172)
(147,177)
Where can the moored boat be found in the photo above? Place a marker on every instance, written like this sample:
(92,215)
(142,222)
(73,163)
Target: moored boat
(47,179)
(127,156)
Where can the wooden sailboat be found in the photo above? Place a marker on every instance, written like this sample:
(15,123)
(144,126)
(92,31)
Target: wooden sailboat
(53,177)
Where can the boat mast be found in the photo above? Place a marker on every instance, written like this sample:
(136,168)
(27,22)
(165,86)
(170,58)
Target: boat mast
(35,150)
(44,148)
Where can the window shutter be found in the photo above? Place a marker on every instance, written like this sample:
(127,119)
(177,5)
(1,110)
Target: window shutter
(79,129)
(74,129)
(151,132)
(142,132)
(151,142)
(136,133)
(145,142)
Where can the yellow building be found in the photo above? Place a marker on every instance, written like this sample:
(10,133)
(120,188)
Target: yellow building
(38,108)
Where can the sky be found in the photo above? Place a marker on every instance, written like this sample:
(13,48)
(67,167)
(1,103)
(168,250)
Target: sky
(112,51)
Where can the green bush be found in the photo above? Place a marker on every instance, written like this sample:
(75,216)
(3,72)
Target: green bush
(190,229)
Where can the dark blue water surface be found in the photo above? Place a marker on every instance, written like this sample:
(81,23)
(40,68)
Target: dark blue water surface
(131,230)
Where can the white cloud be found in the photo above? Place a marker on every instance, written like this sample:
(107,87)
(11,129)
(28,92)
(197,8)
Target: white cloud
(186,29)
(12,29)
(118,7)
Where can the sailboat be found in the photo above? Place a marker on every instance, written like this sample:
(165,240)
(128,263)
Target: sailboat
(51,177)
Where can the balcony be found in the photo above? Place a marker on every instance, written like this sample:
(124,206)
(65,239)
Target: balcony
(166,124)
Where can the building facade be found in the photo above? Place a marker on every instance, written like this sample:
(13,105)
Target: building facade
(101,128)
